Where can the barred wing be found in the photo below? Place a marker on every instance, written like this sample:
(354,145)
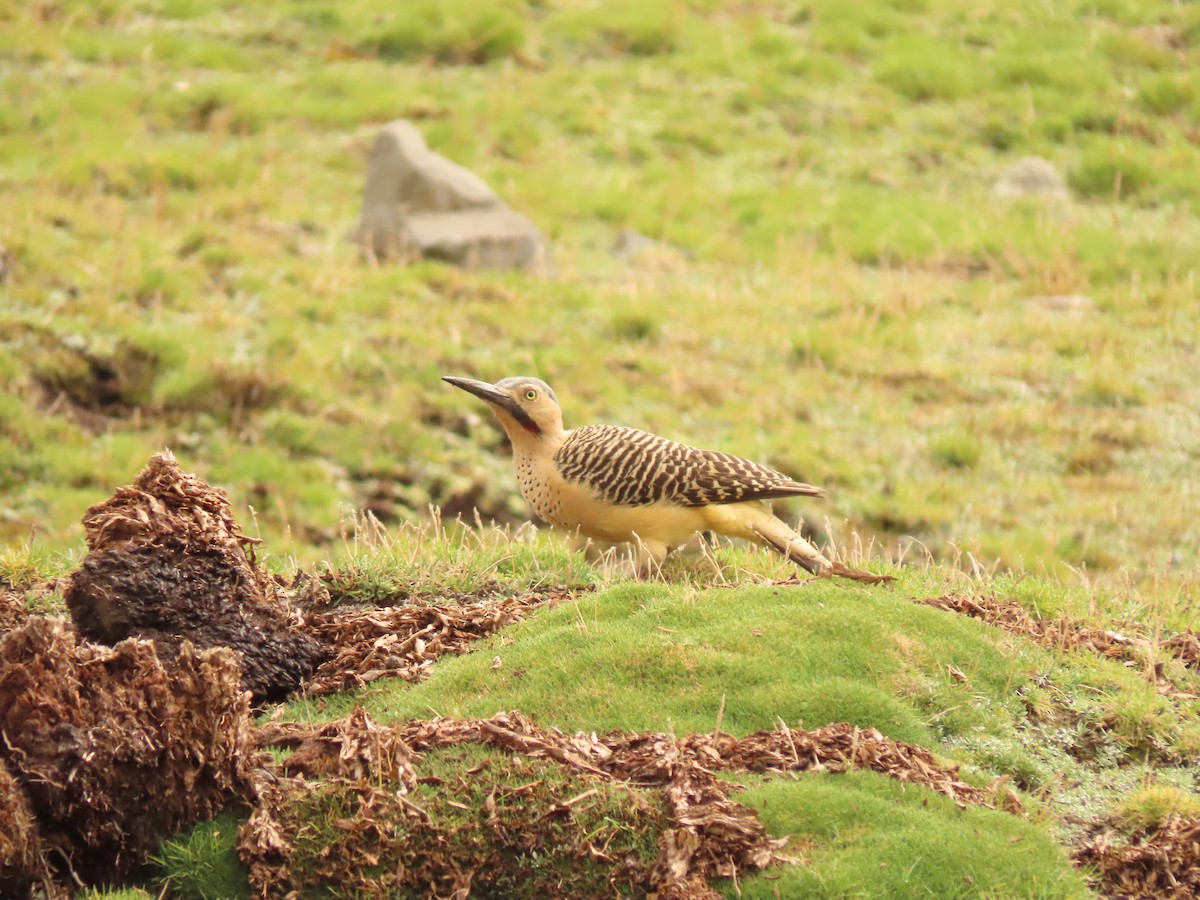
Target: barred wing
(628,467)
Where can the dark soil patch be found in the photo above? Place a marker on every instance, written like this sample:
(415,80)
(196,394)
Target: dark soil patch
(92,386)
(478,501)
(111,749)
(232,395)
(167,562)
(1162,862)
(397,493)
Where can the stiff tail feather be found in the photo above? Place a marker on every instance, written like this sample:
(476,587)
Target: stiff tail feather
(774,533)
(779,537)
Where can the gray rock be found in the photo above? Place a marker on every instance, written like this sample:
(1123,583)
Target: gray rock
(498,238)
(418,203)
(1030,175)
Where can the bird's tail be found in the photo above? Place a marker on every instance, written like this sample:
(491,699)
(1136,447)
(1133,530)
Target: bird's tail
(757,523)
(775,533)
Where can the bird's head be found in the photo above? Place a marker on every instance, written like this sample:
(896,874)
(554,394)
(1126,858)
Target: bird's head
(525,406)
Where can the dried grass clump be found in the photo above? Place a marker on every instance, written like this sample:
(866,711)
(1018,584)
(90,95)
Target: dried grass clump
(167,562)
(710,835)
(1154,864)
(1065,634)
(12,611)
(405,641)
(842,747)
(1185,647)
(1071,634)
(22,853)
(113,749)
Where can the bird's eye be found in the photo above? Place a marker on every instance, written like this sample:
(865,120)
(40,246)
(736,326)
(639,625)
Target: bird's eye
(531,394)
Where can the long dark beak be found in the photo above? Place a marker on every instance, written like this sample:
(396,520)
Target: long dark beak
(487,393)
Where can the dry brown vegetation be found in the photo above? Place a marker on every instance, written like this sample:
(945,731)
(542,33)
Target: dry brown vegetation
(444,805)
(1072,634)
(1151,864)
(106,750)
(404,641)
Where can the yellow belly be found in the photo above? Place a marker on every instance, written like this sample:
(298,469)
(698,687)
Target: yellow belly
(579,510)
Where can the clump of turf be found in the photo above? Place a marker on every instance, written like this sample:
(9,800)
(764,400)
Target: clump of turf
(113,749)
(461,818)
(503,807)
(167,562)
(405,640)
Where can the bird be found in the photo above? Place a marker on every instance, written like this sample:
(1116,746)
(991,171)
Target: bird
(621,485)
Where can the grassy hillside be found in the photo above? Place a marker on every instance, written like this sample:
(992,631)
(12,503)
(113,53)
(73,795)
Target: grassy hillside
(847,298)
(178,179)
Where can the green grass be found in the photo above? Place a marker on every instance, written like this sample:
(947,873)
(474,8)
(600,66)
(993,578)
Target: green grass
(682,658)
(1081,736)
(675,657)
(771,652)
(865,835)
(203,864)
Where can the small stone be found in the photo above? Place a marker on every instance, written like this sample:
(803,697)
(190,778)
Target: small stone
(1031,175)
(1067,303)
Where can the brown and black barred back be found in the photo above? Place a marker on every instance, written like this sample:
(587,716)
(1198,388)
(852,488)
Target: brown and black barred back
(628,467)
